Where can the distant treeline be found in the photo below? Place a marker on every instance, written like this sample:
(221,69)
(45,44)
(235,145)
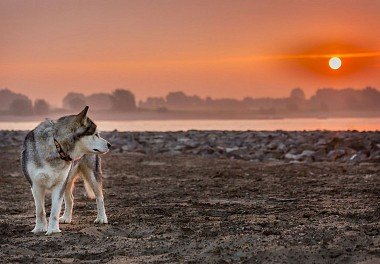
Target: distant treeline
(326,99)
(121,100)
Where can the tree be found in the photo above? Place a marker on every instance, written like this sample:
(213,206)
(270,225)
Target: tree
(99,101)
(296,100)
(292,106)
(7,97)
(153,103)
(176,98)
(371,97)
(77,103)
(297,95)
(21,107)
(123,100)
(180,99)
(41,107)
(67,104)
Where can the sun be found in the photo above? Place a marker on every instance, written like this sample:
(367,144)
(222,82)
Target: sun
(335,63)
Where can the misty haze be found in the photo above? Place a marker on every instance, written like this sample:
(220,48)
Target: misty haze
(121,104)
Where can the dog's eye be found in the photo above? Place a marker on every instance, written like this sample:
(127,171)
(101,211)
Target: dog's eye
(97,135)
(86,130)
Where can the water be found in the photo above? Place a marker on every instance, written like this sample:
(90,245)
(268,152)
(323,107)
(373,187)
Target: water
(361,124)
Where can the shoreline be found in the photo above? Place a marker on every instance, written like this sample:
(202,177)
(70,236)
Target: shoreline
(194,115)
(254,146)
(292,124)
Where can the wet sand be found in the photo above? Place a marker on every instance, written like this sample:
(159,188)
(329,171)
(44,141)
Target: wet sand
(176,209)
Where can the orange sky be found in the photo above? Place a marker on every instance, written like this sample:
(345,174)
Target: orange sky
(219,48)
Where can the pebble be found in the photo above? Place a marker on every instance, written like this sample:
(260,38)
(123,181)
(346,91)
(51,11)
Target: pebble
(255,146)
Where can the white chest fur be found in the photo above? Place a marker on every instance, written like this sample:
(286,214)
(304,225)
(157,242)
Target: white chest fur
(48,176)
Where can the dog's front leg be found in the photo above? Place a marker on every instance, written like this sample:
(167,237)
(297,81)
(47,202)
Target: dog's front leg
(102,217)
(39,200)
(96,185)
(56,203)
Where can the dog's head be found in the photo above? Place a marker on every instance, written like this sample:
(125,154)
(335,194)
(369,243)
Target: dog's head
(87,137)
(94,144)
(79,135)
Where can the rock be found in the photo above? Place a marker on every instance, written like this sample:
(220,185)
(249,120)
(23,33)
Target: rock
(291,156)
(179,147)
(322,142)
(356,144)
(307,153)
(238,153)
(334,155)
(273,145)
(229,150)
(183,140)
(260,146)
(205,150)
(334,144)
(375,156)
(358,157)
(128,147)
(320,155)
(281,147)
(304,155)
(174,152)
(192,143)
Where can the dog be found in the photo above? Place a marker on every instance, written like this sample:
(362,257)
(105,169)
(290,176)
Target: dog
(54,155)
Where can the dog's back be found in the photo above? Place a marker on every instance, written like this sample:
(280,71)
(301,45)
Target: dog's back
(35,148)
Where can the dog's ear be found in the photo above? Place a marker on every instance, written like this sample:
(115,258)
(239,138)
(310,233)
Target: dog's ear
(82,115)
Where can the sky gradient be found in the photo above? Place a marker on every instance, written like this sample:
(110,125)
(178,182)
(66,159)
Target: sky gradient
(210,48)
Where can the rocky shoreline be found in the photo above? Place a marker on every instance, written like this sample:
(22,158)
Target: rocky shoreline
(254,146)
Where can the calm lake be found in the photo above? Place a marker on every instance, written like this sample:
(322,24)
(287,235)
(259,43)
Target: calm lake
(361,124)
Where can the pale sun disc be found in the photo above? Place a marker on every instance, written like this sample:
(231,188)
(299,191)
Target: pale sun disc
(335,63)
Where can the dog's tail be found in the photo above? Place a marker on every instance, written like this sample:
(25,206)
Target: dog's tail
(89,190)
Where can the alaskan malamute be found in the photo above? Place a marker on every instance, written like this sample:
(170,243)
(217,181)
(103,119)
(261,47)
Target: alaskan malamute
(54,155)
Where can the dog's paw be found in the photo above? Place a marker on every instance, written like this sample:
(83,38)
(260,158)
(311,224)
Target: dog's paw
(101,220)
(65,220)
(52,231)
(38,230)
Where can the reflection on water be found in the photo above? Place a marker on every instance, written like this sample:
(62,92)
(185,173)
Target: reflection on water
(361,124)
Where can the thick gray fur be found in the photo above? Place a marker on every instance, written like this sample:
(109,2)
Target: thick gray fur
(39,143)
(44,168)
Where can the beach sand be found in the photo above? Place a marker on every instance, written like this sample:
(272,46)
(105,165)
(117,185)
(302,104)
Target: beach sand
(170,209)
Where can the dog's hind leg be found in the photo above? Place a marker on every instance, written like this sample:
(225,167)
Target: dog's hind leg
(39,200)
(95,182)
(69,202)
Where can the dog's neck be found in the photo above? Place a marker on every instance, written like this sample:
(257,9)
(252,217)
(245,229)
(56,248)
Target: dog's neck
(69,156)
(77,152)
(64,156)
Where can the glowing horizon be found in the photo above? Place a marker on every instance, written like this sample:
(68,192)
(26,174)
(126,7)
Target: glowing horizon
(227,49)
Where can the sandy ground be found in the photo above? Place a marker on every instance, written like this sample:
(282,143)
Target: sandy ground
(203,210)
